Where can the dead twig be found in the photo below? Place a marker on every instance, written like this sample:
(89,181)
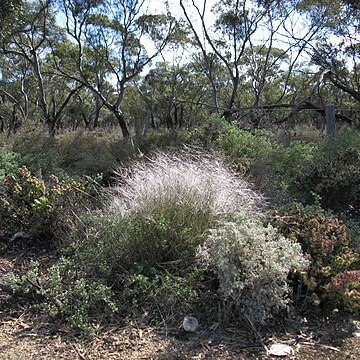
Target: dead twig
(256,333)
(320,345)
(78,352)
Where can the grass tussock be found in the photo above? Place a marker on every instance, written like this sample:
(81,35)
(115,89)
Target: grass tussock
(161,210)
(186,179)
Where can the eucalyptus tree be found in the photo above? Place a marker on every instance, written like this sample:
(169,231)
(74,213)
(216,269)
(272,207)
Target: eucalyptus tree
(15,90)
(110,37)
(256,32)
(338,51)
(28,43)
(173,93)
(9,11)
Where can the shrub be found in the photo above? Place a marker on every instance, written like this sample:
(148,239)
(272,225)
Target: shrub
(66,296)
(102,246)
(325,241)
(163,140)
(144,243)
(241,148)
(333,176)
(273,166)
(9,163)
(75,300)
(37,150)
(344,290)
(148,286)
(252,263)
(287,161)
(32,205)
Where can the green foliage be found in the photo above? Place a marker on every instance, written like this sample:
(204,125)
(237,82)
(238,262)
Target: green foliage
(272,166)
(333,175)
(27,284)
(326,242)
(168,233)
(101,246)
(286,162)
(275,171)
(308,171)
(144,244)
(113,247)
(37,150)
(75,300)
(10,162)
(160,211)
(68,298)
(172,200)
(29,204)
(252,263)
(241,148)
(163,140)
(153,286)
(354,231)
(8,12)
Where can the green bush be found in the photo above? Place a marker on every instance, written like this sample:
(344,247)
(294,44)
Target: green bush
(101,246)
(160,211)
(241,148)
(272,166)
(148,286)
(326,171)
(10,162)
(252,263)
(333,176)
(326,242)
(163,140)
(286,162)
(143,245)
(66,296)
(29,204)
(75,300)
(114,247)
(37,150)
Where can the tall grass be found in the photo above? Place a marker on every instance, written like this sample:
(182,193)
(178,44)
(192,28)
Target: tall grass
(186,179)
(162,207)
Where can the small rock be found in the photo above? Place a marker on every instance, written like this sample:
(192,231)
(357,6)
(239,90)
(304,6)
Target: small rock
(190,323)
(280,350)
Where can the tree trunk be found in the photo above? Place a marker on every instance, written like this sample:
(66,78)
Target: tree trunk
(97,113)
(122,123)
(51,125)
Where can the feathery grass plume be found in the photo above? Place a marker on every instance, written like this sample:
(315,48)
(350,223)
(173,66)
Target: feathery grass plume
(173,199)
(190,176)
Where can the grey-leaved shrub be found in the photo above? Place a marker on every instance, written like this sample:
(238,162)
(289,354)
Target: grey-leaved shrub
(252,262)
